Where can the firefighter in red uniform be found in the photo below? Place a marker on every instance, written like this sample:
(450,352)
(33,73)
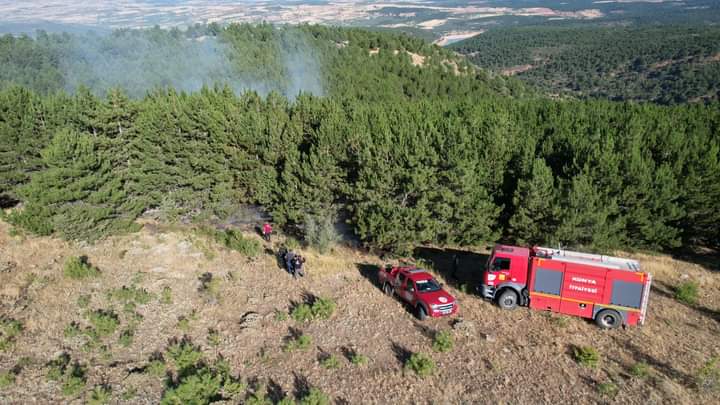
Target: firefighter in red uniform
(266,231)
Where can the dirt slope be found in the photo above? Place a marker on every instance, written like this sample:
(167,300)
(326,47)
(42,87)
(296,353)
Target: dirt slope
(499,357)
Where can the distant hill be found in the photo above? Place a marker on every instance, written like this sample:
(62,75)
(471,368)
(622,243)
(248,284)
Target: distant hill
(321,60)
(666,65)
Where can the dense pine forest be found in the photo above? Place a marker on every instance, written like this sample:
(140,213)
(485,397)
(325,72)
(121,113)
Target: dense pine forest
(431,152)
(663,64)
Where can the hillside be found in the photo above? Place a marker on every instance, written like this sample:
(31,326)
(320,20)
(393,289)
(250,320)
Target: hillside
(134,166)
(663,64)
(351,63)
(149,282)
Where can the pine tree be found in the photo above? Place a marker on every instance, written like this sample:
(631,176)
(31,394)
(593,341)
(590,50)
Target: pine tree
(77,195)
(536,215)
(588,219)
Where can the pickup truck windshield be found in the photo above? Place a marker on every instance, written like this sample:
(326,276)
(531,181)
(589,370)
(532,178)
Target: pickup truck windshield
(427,285)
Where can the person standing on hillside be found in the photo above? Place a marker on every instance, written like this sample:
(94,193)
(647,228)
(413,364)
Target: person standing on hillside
(266,231)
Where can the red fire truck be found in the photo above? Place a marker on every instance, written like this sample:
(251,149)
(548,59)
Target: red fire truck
(611,290)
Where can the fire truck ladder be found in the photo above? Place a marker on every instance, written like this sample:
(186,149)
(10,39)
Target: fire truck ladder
(645,299)
(589,259)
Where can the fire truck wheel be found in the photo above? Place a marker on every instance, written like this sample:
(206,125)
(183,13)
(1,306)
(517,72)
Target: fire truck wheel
(508,299)
(420,312)
(387,288)
(608,319)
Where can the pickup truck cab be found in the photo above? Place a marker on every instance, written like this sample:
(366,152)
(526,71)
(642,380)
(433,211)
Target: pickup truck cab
(418,289)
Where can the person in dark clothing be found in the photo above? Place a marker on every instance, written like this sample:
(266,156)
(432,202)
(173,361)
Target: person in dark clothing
(290,262)
(455,266)
(298,262)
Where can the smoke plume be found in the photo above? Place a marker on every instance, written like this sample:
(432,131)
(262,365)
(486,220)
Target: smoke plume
(139,61)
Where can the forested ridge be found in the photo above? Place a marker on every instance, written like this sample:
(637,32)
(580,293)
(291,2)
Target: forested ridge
(663,64)
(405,154)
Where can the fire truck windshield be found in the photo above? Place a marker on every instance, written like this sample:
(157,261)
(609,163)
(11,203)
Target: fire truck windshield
(427,285)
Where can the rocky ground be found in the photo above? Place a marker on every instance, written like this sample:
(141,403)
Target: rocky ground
(520,356)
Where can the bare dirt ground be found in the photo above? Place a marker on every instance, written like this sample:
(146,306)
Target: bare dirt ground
(520,356)
(515,70)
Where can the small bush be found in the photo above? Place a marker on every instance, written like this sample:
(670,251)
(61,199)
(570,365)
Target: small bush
(640,370)
(104,322)
(302,313)
(608,389)
(7,378)
(195,381)
(83,301)
(199,387)
(210,285)
(57,367)
(315,397)
(74,381)
(78,268)
(100,395)
(358,359)
(126,338)
(287,400)
(183,324)
(214,337)
(330,362)
(166,296)
(420,364)
(10,329)
(72,330)
(155,368)
(301,342)
(280,316)
(184,354)
(320,231)
(129,393)
(321,308)
(708,377)
(687,292)
(587,356)
(258,397)
(234,240)
(443,342)
(130,295)
(292,243)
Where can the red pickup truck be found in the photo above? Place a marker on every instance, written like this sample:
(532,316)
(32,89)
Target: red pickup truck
(419,289)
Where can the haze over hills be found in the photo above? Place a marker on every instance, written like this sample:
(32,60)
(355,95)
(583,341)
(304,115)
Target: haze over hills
(137,164)
(444,20)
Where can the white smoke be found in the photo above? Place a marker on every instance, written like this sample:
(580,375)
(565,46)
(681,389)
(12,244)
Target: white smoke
(138,62)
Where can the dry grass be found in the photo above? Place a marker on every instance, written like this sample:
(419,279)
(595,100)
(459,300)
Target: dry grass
(675,342)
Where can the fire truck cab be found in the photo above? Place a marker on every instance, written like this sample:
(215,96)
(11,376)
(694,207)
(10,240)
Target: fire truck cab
(610,290)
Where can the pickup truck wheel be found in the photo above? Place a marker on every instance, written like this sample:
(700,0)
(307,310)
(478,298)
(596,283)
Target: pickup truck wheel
(508,299)
(608,319)
(420,312)
(387,288)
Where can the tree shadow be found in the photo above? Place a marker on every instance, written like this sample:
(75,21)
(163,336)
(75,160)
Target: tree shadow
(348,352)
(369,272)
(706,257)
(274,391)
(662,367)
(301,385)
(668,291)
(306,298)
(7,202)
(402,354)
(294,333)
(426,331)
(458,267)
